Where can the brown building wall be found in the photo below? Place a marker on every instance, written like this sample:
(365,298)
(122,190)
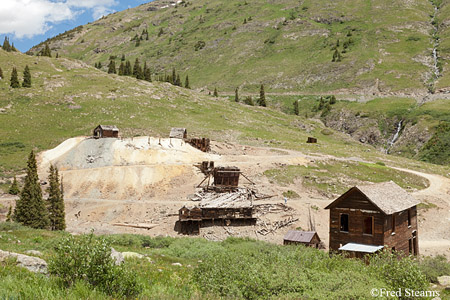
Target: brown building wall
(400,239)
(355,233)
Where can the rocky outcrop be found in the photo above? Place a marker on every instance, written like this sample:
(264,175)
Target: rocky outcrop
(117,256)
(33,264)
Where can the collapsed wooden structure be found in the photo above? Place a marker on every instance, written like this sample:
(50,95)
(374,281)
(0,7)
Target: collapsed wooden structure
(202,144)
(231,208)
(225,179)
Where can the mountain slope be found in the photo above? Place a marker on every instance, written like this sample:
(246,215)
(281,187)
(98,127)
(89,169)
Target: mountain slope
(288,45)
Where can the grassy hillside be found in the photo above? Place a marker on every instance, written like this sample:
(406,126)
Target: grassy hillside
(386,46)
(69,99)
(232,269)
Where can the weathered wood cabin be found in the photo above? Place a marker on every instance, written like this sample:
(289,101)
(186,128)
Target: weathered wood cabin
(178,133)
(311,140)
(368,217)
(103,131)
(307,238)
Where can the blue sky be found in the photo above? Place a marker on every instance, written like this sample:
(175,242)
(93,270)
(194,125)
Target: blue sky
(29,22)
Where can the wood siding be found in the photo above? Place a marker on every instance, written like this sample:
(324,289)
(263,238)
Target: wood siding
(403,233)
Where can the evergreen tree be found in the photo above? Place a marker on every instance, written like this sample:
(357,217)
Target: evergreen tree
(296,110)
(14,189)
(6,46)
(332,99)
(236,95)
(128,69)
(123,57)
(161,32)
(55,201)
(138,43)
(336,56)
(112,67)
(121,69)
(137,70)
(14,79)
(1,73)
(178,80)
(9,215)
(216,93)
(186,82)
(13,48)
(30,208)
(46,51)
(26,77)
(249,101)
(174,76)
(262,97)
(99,65)
(321,103)
(57,55)
(147,73)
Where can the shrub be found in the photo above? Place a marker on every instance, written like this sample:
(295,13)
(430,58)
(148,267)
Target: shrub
(88,259)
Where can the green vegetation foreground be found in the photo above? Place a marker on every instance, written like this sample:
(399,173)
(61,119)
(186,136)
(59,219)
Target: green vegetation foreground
(232,269)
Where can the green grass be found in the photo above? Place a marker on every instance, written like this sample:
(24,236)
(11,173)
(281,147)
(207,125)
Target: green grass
(232,269)
(284,45)
(321,176)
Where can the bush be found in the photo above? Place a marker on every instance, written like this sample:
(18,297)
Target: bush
(88,259)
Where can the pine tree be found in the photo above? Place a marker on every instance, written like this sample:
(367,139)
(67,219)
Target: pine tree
(216,93)
(6,46)
(14,189)
(121,69)
(296,110)
(186,82)
(14,79)
(332,99)
(13,49)
(30,208)
(262,97)
(57,55)
(321,103)
(178,80)
(9,215)
(138,43)
(174,76)
(46,51)
(26,77)
(136,67)
(123,57)
(147,73)
(55,201)
(112,67)
(161,32)
(1,73)
(128,70)
(236,95)
(99,65)
(336,56)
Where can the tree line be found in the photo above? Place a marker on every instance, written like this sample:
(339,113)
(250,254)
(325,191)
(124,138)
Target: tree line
(31,209)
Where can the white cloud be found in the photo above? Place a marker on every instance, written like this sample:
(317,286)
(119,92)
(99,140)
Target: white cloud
(27,18)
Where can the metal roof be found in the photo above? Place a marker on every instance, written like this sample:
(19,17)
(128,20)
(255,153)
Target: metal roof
(299,236)
(387,196)
(354,247)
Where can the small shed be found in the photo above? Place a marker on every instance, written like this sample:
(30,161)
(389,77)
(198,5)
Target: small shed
(311,140)
(307,238)
(102,131)
(178,133)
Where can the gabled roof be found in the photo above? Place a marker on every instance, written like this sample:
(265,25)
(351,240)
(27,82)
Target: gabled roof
(354,247)
(108,127)
(300,236)
(387,196)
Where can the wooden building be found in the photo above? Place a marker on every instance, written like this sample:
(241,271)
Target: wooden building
(202,144)
(103,131)
(178,133)
(226,177)
(373,216)
(311,140)
(307,238)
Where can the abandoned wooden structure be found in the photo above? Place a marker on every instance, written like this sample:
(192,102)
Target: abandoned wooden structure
(311,140)
(235,208)
(307,238)
(202,144)
(226,177)
(368,217)
(178,133)
(103,131)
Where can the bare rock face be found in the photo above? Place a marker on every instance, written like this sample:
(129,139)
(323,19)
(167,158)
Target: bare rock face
(33,264)
(444,281)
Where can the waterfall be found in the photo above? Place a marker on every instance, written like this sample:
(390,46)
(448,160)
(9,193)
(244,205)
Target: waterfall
(396,135)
